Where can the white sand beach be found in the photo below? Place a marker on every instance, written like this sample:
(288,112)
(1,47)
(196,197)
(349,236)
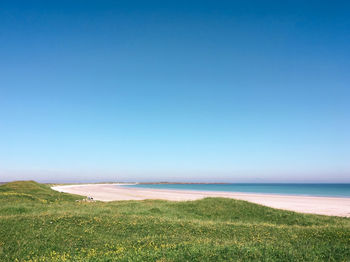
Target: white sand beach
(333,206)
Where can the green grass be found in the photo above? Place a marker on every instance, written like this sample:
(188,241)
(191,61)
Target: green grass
(39,224)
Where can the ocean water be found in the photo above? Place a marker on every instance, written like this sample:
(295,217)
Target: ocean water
(334,190)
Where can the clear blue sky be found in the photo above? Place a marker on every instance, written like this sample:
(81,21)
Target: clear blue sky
(241,91)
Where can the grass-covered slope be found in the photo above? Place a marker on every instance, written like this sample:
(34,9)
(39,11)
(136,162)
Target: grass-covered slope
(34,191)
(39,224)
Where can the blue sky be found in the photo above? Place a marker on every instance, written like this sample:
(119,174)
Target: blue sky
(233,91)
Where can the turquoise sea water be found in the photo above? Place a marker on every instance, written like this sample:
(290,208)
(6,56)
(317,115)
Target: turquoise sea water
(335,190)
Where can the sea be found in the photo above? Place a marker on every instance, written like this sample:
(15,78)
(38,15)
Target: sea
(330,190)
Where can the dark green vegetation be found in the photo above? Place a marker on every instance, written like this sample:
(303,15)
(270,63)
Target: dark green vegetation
(39,224)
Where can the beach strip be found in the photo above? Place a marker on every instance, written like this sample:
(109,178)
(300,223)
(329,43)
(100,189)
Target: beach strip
(332,206)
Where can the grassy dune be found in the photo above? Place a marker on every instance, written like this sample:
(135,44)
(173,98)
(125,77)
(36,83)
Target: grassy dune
(39,224)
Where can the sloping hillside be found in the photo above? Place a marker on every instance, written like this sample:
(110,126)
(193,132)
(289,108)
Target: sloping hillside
(39,224)
(31,190)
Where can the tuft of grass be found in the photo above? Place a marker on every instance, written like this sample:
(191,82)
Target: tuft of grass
(39,224)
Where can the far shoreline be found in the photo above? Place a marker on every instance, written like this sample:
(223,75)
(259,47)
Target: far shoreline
(331,206)
(243,192)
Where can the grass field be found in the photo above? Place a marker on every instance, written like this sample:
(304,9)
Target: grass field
(39,224)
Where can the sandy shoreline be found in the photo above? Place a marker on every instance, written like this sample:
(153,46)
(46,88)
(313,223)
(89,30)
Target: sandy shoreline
(333,206)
